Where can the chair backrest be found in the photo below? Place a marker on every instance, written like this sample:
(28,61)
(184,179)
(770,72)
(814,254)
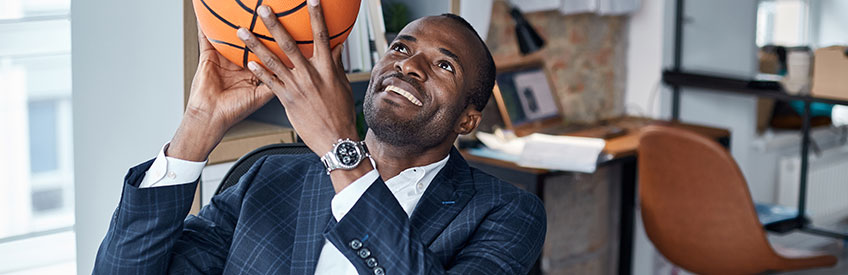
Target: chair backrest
(244,163)
(696,207)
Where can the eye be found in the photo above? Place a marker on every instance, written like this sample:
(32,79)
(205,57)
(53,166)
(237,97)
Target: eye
(401,48)
(446,66)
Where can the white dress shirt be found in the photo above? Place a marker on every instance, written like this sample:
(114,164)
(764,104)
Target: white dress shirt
(407,187)
(167,171)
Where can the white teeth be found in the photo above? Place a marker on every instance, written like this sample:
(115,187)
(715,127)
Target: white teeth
(405,94)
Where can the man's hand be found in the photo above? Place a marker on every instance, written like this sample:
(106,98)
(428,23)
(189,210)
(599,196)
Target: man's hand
(315,93)
(222,94)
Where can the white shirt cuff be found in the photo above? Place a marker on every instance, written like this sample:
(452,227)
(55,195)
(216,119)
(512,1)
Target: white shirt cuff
(166,171)
(344,200)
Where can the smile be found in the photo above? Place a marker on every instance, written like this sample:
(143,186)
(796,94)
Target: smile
(405,94)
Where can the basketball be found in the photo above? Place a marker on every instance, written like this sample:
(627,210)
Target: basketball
(220,19)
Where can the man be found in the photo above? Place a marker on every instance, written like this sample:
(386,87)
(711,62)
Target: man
(422,210)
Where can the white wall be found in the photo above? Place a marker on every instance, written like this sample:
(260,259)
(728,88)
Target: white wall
(829,22)
(719,38)
(478,13)
(644,59)
(127,98)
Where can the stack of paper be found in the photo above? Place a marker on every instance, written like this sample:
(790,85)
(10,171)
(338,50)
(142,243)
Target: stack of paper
(564,153)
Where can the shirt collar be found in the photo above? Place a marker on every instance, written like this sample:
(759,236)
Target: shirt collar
(415,180)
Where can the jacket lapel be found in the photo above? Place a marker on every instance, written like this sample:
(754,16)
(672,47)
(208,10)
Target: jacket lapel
(311,221)
(448,194)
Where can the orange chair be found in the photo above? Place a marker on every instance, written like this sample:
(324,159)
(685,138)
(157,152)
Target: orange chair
(698,212)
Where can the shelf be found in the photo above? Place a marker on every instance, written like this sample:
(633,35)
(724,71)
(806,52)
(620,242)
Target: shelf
(246,136)
(359,77)
(737,86)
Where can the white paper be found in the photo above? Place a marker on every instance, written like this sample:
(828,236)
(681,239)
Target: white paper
(512,146)
(563,153)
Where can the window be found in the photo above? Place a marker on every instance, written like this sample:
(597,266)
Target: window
(783,23)
(36,170)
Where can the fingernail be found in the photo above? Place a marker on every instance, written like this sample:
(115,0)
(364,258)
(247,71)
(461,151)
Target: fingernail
(313,2)
(243,34)
(252,65)
(264,11)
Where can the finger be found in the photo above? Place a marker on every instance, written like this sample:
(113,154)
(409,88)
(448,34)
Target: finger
(271,61)
(282,36)
(202,41)
(277,86)
(320,36)
(337,58)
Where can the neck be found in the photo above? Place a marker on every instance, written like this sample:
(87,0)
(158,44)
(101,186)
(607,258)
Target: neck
(391,160)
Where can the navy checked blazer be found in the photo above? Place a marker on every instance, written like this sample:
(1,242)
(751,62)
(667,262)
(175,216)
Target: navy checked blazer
(275,221)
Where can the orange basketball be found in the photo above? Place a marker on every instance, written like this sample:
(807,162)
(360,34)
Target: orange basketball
(220,19)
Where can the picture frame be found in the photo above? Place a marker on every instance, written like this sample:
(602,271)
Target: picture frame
(525,97)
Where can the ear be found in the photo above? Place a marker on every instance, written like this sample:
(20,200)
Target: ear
(468,121)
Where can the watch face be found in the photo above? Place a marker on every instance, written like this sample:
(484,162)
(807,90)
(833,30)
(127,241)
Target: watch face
(347,153)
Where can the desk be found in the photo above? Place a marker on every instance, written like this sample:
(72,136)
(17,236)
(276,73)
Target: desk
(621,151)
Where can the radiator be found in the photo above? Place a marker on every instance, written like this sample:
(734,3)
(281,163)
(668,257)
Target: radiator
(827,185)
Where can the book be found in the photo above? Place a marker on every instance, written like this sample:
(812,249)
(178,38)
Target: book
(378,24)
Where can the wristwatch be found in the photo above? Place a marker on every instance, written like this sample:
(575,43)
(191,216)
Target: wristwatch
(346,154)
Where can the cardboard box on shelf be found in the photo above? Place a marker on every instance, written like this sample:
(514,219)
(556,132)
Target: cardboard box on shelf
(830,73)
(247,136)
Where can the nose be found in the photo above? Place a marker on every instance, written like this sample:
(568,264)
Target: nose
(413,66)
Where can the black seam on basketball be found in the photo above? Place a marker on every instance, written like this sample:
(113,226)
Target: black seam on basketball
(244,7)
(279,14)
(228,44)
(252,25)
(218,16)
(295,9)
(299,42)
(264,37)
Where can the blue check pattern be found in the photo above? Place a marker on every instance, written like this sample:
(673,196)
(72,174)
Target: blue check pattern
(276,219)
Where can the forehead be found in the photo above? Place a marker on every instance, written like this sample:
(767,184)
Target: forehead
(443,32)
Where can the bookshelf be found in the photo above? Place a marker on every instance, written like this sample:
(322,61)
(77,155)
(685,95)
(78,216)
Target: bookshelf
(359,77)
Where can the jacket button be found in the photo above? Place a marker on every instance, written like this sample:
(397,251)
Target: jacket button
(355,244)
(364,253)
(379,271)
(371,262)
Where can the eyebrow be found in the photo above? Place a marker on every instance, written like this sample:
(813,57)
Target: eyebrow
(441,50)
(451,55)
(407,37)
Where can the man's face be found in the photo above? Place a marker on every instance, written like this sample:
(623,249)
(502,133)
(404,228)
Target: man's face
(418,91)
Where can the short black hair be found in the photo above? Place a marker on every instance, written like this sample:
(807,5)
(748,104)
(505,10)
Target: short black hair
(481,90)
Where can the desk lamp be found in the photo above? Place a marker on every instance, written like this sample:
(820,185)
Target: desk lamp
(529,40)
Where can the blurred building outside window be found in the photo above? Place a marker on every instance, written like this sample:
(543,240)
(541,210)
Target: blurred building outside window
(36,158)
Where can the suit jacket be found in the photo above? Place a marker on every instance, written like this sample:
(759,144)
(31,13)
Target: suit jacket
(275,221)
